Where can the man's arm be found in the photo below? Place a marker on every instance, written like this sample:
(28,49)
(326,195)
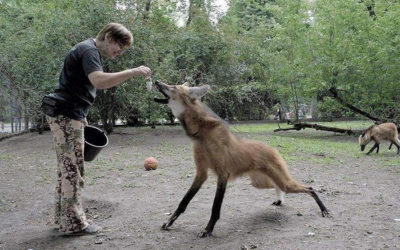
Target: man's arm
(102,80)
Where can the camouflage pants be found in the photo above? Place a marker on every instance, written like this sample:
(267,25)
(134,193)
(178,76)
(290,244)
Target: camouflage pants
(69,145)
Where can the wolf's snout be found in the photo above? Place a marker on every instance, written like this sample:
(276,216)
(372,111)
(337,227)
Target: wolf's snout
(159,86)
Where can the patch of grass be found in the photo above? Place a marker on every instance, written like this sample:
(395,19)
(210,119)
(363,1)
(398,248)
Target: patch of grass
(187,173)
(311,149)
(43,179)
(130,167)
(391,162)
(161,172)
(98,177)
(129,185)
(264,127)
(92,181)
(347,178)
(100,161)
(320,147)
(6,157)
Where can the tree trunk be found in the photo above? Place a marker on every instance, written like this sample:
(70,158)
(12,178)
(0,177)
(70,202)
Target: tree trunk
(11,116)
(26,119)
(283,108)
(147,10)
(314,108)
(370,9)
(19,117)
(106,101)
(296,101)
(196,7)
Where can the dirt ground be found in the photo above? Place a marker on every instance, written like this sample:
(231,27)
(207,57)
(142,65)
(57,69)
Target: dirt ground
(131,204)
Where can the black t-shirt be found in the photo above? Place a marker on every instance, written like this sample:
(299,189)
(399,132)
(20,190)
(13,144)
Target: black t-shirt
(74,85)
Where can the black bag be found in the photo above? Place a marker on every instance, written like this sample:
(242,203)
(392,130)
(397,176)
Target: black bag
(52,104)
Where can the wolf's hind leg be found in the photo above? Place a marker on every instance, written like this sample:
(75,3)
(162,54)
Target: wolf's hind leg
(262,181)
(397,144)
(321,205)
(288,185)
(280,196)
(295,187)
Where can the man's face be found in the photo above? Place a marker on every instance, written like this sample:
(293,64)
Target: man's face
(114,49)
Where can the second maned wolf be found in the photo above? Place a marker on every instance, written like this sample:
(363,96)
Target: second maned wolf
(384,131)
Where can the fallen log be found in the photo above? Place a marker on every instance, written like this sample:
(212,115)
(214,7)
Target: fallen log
(302,125)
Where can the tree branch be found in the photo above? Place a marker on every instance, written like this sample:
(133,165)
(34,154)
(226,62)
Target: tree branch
(301,125)
(335,95)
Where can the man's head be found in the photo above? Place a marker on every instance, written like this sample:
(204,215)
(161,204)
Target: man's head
(114,38)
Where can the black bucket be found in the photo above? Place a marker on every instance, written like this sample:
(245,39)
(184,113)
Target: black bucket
(95,141)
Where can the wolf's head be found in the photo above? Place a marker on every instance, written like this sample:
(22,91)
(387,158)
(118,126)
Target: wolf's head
(364,139)
(178,97)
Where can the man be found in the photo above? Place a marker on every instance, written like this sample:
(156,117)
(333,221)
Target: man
(81,75)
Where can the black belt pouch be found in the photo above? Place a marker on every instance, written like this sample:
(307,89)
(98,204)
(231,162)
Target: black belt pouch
(52,104)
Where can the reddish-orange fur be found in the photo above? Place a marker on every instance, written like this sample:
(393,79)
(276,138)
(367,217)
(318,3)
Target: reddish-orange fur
(216,148)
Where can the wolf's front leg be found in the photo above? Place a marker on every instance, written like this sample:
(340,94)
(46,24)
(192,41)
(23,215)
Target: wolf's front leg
(216,209)
(196,185)
(373,148)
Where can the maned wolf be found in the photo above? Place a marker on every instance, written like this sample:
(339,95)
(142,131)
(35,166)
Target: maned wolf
(215,147)
(385,131)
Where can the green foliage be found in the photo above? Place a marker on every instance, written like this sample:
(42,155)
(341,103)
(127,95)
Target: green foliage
(242,102)
(358,54)
(330,109)
(258,53)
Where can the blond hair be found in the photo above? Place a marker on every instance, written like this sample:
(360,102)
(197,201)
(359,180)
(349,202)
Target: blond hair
(117,32)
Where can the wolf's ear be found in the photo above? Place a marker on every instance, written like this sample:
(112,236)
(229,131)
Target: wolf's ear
(186,84)
(198,92)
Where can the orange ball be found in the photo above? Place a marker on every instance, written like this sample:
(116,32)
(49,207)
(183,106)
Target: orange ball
(150,163)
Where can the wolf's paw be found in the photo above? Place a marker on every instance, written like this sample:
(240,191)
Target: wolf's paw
(205,234)
(277,203)
(325,213)
(165,226)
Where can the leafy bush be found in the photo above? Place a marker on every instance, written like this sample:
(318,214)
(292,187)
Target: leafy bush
(252,101)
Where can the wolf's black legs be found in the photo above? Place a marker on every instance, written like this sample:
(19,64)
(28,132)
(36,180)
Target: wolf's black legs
(277,203)
(321,205)
(216,209)
(396,144)
(197,183)
(372,149)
